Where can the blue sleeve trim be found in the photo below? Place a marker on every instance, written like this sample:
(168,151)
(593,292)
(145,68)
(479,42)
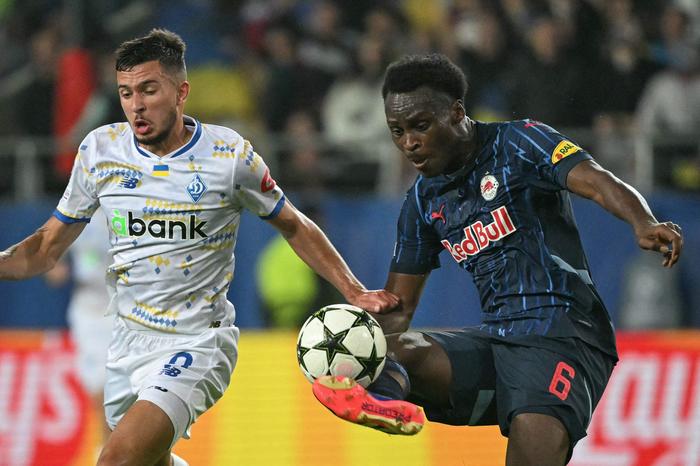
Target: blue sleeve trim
(68,220)
(563,167)
(275,212)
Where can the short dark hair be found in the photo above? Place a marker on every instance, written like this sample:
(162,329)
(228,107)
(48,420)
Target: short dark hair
(160,44)
(435,71)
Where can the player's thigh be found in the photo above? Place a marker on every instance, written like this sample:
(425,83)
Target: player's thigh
(565,385)
(537,440)
(183,376)
(426,362)
(453,377)
(142,437)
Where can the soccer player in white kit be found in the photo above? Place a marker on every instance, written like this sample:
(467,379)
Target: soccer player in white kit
(173,190)
(89,328)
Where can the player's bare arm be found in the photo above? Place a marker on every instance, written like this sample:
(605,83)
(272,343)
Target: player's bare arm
(409,289)
(40,251)
(314,248)
(590,180)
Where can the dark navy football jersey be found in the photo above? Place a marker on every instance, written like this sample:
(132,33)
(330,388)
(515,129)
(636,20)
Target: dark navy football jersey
(507,218)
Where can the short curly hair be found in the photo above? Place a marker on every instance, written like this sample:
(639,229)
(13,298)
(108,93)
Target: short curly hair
(162,45)
(435,71)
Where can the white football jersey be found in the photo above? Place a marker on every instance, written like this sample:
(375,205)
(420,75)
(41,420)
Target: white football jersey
(174,220)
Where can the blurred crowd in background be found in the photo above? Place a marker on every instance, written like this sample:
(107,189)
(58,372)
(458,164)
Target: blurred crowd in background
(301,78)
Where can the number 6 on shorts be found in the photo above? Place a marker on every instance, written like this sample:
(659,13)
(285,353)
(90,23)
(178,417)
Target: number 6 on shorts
(561,385)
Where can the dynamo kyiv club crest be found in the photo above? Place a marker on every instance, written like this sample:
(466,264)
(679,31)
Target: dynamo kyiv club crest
(196,188)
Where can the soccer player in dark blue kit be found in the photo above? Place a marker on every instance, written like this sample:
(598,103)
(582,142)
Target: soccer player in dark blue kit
(496,197)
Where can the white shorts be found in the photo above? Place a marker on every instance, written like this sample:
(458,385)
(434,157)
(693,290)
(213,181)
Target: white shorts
(184,375)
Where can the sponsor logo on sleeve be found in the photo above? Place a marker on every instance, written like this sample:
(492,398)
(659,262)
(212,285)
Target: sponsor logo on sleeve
(564,149)
(268,183)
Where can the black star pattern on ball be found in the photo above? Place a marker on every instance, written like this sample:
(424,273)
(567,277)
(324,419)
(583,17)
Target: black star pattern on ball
(332,344)
(301,351)
(369,364)
(321,313)
(363,318)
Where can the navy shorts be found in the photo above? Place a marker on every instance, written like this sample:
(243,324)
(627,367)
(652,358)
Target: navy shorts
(494,380)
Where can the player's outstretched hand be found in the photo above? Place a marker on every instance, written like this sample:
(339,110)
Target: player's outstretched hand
(666,238)
(377,301)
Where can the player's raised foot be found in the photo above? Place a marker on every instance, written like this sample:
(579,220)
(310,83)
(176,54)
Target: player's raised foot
(349,400)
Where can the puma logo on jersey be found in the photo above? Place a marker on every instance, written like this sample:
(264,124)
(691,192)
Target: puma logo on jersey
(478,236)
(157,228)
(439,215)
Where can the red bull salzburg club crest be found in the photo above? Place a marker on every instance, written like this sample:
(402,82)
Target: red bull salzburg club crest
(489,187)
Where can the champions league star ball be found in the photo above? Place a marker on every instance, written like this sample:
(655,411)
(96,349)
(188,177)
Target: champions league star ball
(341,339)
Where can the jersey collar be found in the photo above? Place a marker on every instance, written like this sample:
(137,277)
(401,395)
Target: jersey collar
(196,134)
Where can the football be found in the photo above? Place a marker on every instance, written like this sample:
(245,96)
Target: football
(341,339)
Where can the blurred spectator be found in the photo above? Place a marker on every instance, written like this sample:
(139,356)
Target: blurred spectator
(622,77)
(302,169)
(428,21)
(269,61)
(353,104)
(102,107)
(353,120)
(671,100)
(674,32)
(520,16)
(668,119)
(621,22)
(75,81)
(484,54)
(289,290)
(388,25)
(37,84)
(580,26)
(613,146)
(286,80)
(548,85)
(286,285)
(325,48)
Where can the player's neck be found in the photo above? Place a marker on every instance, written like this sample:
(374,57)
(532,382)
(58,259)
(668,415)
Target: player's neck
(469,142)
(178,137)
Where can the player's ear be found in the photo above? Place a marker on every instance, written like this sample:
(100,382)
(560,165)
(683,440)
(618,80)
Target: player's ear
(183,91)
(457,111)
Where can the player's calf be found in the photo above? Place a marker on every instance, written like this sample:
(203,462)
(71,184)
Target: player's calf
(351,401)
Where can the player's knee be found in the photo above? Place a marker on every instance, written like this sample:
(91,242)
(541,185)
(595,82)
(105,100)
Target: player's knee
(119,456)
(537,439)
(112,457)
(408,348)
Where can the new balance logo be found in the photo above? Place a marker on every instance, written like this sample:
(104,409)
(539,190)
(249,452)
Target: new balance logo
(157,228)
(478,236)
(129,182)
